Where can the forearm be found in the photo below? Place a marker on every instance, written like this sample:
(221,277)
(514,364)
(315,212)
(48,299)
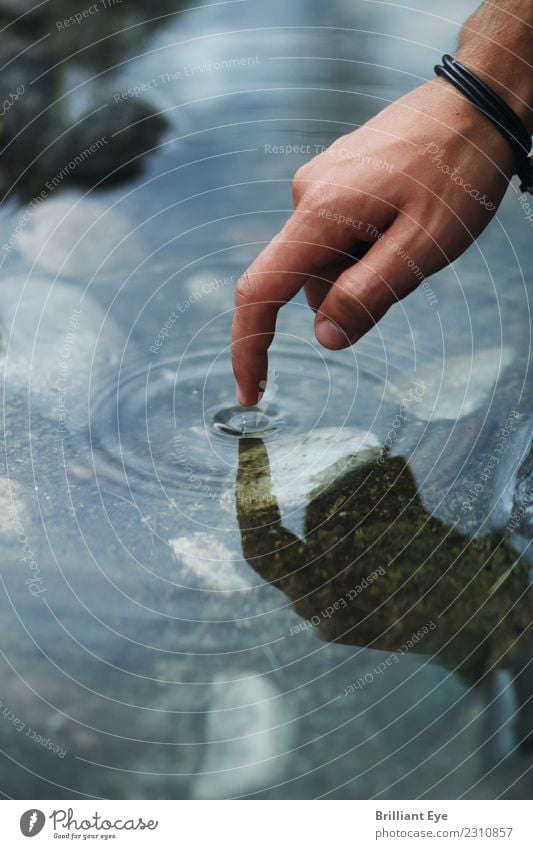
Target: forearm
(497,44)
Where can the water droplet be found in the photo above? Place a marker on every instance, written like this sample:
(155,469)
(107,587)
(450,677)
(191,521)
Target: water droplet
(246,421)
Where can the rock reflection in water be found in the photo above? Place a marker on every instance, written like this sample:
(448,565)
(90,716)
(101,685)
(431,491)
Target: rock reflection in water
(375,568)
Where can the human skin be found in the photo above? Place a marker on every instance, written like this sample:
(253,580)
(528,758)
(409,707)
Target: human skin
(444,170)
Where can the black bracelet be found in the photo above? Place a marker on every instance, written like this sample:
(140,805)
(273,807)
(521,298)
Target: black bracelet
(496,110)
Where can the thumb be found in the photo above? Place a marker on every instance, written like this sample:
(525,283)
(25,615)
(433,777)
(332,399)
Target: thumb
(364,292)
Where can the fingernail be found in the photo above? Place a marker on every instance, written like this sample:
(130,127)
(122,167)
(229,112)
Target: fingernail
(331,336)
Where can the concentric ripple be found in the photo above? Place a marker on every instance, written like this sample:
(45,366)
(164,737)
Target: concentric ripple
(247,421)
(173,426)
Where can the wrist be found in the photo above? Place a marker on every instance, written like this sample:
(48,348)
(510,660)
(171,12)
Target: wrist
(512,84)
(449,107)
(496,45)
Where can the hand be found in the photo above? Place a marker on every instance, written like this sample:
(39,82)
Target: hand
(382,208)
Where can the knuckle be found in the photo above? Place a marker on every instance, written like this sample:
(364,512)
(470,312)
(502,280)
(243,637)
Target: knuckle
(300,183)
(362,293)
(303,172)
(313,198)
(299,176)
(244,290)
(310,207)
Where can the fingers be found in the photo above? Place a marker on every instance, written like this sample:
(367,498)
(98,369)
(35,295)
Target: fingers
(363,293)
(318,286)
(316,290)
(274,278)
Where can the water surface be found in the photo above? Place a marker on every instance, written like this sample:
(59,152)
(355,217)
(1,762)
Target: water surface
(297,613)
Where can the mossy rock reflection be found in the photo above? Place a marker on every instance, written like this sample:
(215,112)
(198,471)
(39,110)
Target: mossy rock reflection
(373,523)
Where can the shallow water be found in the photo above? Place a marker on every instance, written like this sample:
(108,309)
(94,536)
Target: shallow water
(189,613)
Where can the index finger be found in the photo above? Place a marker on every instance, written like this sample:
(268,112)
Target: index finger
(275,277)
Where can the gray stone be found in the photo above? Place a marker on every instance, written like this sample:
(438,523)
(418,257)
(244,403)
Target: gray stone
(60,348)
(208,563)
(455,386)
(79,237)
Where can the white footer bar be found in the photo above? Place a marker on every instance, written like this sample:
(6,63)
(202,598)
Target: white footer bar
(262,825)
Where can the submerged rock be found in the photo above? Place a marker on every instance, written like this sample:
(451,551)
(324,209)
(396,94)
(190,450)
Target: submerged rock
(456,386)
(248,736)
(77,237)
(60,348)
(207,562)
(521,519)
(128,131)
(60,119)
(15,7)
(522,669)
(211,291)
(87,35)
(30,114)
